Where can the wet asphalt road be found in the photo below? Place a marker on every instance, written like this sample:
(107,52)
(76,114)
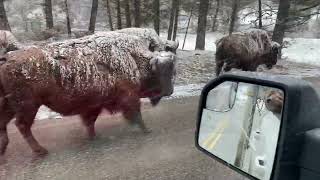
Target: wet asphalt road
(119,151)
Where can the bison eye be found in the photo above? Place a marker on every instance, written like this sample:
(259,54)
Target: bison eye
(151,48)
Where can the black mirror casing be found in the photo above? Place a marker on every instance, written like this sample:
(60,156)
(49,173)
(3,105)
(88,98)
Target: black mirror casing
(300,116)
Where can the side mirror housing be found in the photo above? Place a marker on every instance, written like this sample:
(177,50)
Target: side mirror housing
(266,129)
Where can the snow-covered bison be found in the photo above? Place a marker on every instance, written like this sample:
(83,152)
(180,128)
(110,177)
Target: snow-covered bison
(82,77)
(246,51)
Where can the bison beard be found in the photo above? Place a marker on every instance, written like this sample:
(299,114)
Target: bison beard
(81,77)
(246,51)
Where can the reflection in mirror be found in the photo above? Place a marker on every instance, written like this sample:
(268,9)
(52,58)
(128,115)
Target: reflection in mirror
(222,98)
(240,125)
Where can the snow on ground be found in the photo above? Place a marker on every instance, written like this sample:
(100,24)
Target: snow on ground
(303,50)
(191,40)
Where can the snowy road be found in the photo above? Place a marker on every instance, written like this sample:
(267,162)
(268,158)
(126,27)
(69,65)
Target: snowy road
(119,152)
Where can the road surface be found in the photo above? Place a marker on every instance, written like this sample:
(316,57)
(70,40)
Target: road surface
(119,152)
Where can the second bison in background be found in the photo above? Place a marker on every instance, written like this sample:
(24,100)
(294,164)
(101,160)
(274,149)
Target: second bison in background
(246,51)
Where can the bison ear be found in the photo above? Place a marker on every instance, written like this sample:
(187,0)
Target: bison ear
(154,64)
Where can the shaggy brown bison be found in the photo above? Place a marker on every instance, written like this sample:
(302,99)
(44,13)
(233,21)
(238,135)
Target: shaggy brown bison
(274,101)
(82,77)
(246,51)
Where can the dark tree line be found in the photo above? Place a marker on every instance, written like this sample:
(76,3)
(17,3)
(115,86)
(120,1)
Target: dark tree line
(4,24)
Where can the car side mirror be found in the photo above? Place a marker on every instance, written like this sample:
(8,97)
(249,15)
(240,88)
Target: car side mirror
(258,125)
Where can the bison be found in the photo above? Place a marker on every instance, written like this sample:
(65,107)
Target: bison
(246,51)
(82,77)
(274,101)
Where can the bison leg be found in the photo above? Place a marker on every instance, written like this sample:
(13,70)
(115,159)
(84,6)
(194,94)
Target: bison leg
(219,65)
(135,117)
(4,140)
(24,121)
(89,119)
(5,116)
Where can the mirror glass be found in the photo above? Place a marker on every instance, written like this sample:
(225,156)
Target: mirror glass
(223,98)
(240,125)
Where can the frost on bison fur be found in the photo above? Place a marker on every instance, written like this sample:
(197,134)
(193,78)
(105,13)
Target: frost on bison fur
(246,51)
(151,36)
(82,77)
(8,42)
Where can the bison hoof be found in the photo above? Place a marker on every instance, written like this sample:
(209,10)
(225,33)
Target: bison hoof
(40,151)
(92,137)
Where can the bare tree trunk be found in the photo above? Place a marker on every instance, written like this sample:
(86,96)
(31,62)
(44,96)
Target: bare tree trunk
(214,24)
(109,16)
(119,14)
(282,19)
(128,13)
(156,17)
(93,17)
(185,36)
(260,14)
(137,13)
(24,19)
(176,18)
(4,23)
(68,18)
(202,24)
(233,15)
(172,18)
(48,13)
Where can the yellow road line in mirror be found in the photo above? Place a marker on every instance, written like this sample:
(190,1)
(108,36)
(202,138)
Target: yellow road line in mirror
(210,138)
(215,141)
(250,94)
(216,134)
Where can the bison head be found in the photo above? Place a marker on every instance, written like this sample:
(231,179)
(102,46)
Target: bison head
(164,71)
(171,46)
(164,45)
(271,58)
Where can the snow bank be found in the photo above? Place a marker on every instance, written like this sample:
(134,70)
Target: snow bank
(303,50)
(191,40)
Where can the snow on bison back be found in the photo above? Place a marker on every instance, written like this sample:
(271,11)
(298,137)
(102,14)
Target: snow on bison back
(82,77)
(246,51)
